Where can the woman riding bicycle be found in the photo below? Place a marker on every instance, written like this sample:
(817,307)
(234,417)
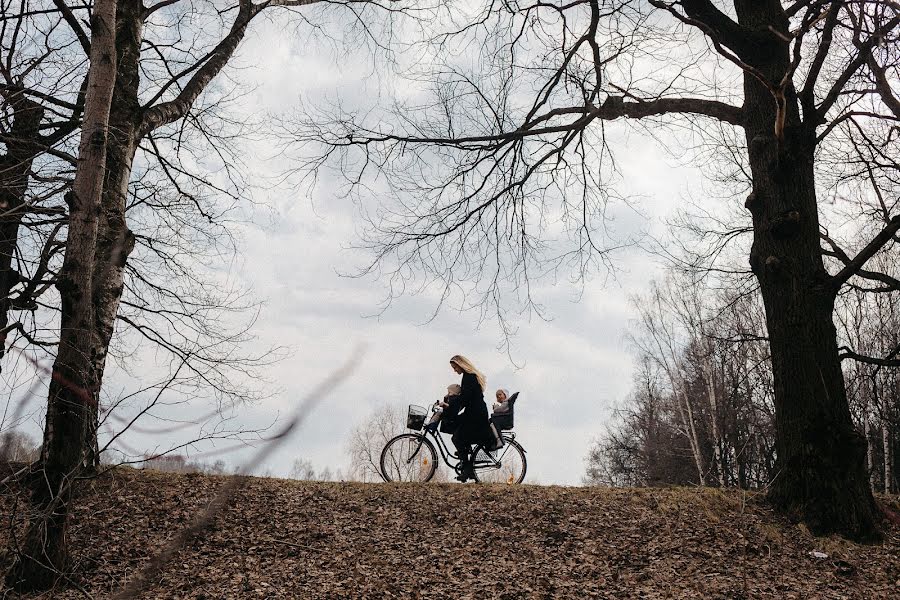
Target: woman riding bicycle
(474,426)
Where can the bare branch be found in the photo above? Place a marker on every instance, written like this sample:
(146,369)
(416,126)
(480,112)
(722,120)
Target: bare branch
(883,85)
(872,248)
(69,16)
(888,361)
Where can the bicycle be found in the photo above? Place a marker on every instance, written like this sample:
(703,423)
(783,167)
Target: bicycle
(413,456)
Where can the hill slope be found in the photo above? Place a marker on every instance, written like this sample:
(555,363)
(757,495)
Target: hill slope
(286,539)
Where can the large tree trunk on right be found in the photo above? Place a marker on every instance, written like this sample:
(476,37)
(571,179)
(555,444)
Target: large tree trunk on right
(15,166)
(45,554)
(821,473)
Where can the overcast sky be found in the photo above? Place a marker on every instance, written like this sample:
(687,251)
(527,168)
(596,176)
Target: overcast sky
(570,370)
(574,367)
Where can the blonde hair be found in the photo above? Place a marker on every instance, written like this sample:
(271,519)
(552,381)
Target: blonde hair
(466,365)
(455,388)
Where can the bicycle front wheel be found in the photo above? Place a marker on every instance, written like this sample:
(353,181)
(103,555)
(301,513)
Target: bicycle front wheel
(509,464)
(408,457)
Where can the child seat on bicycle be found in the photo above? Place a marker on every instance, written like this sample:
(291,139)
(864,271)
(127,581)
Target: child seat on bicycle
(503,414)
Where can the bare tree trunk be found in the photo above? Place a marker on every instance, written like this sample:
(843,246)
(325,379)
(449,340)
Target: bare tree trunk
(687,417)
(708,373)
(15,165)
(888,458)
(892,437)
(130,123)
(114,240)
(870,449)
(821,456)
(45,553)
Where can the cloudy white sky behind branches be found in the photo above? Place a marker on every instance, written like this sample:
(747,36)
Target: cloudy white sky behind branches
(571,369)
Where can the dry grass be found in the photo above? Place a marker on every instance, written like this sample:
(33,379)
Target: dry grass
(287,539)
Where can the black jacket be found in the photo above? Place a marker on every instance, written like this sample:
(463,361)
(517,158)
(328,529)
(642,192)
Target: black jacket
(454,406)
(474,426)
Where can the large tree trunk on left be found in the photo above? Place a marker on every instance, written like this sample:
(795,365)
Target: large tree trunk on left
(129,124)
(15,165)
(114,240)
(45,553)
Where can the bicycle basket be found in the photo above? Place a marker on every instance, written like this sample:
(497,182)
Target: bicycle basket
(415,418)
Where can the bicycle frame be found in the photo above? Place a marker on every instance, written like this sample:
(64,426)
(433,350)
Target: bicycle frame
(447,454)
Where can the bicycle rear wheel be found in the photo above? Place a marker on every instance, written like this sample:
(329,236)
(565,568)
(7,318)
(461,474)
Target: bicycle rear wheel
(408,457)
(510,464)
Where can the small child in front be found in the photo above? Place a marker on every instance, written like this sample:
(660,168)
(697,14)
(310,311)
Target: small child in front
(453,392)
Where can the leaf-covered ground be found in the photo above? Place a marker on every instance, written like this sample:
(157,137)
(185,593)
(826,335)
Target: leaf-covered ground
(288,539)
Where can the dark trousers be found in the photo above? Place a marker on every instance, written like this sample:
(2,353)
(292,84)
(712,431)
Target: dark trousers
(463,447)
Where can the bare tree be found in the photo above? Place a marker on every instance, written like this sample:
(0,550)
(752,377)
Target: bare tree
(704,350)
(663,340)
(304,470)
(98,241)
(15,168)
(176,463)
(133,122)
(71,391)
(18,447)
(40,116)
(644,444)
(369,437)
(869,324)
(497,152)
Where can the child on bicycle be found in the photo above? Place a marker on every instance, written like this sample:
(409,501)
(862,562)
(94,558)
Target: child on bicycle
(502,404)
(450,401)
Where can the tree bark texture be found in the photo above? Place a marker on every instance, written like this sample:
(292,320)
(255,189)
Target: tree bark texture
(114,240)
(821,473)
(870,449)
(129,124)
(45,554)
(15,165)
